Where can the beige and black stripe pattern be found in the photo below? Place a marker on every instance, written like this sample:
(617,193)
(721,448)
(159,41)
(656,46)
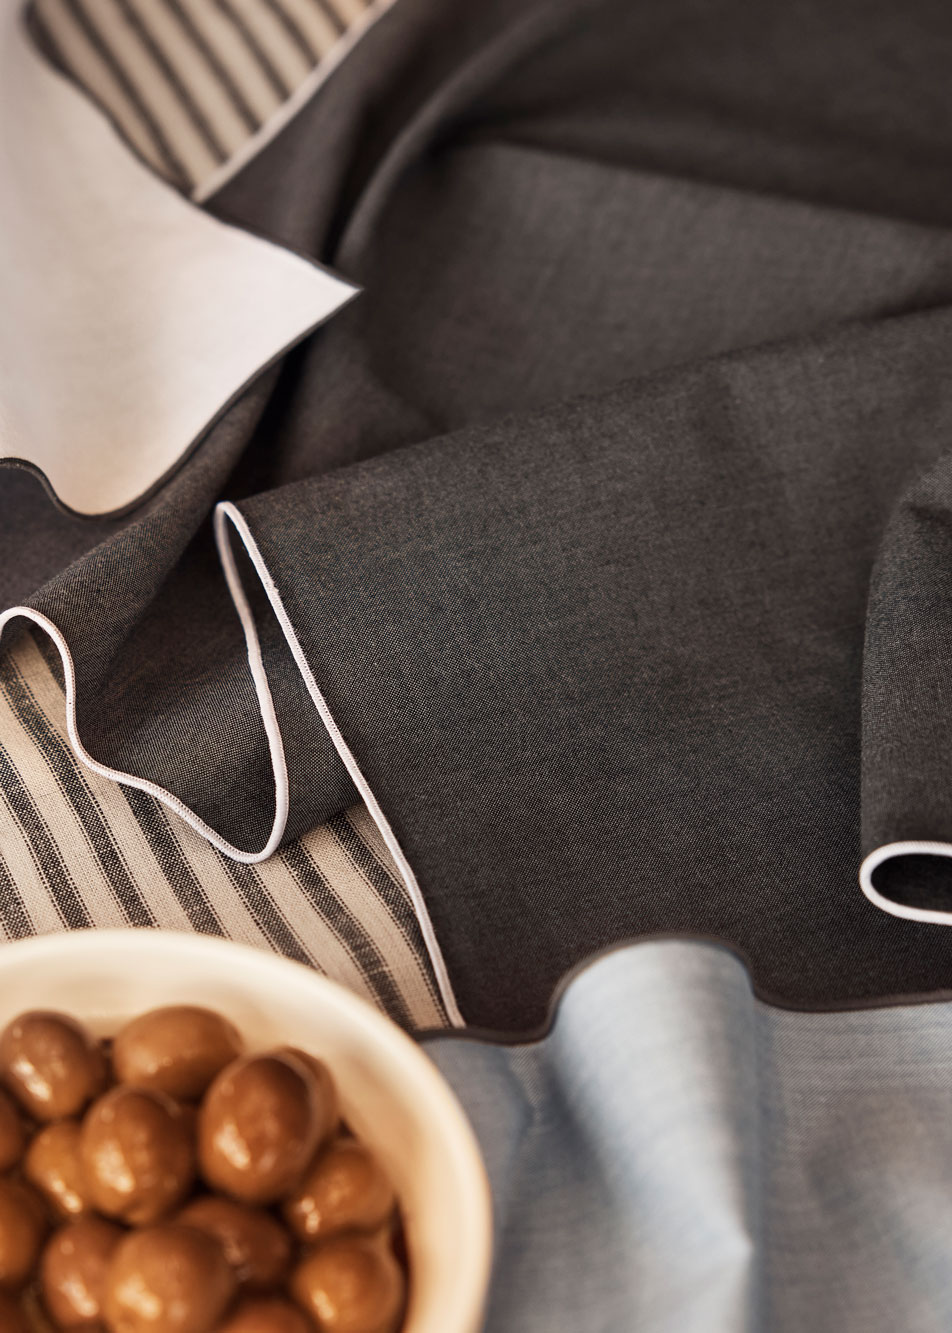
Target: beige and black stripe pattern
(189,82)
(78,851)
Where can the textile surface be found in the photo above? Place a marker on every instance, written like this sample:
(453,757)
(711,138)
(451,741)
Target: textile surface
(77,851)
(615,509)
(677,1156)
(189,82)
(610,518)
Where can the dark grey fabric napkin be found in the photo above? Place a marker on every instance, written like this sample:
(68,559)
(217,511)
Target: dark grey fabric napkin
(589,512)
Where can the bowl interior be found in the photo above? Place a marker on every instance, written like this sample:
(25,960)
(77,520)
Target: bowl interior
(390,1092)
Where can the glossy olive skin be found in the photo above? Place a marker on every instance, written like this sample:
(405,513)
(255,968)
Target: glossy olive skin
(325,1082)
(12,1132)
(138,1155)
(255,1245)
(51,1064)
(12,1318)
(265,1130)
(351,1284)
(54,1166)
(167,1279)
(177,1050)
(22,1230)
(73,1271)
(344,1190)
(259,1126)
(266,1314)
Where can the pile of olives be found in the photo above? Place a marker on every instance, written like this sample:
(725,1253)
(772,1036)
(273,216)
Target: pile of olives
(168,1182)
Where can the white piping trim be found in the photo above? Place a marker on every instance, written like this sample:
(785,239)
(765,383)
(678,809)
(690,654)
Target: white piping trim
(265,704)
(226,512)
(930,915)
(289,108)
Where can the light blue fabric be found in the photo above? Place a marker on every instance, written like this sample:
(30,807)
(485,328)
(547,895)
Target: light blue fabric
(677,1155)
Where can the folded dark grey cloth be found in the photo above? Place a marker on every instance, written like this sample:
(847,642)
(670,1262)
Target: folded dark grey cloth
(610,518)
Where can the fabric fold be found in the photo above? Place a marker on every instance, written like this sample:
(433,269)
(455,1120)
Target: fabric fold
(163,690)
(676,1154)
(907,706)
(129,318)
(573,514)
(551,644)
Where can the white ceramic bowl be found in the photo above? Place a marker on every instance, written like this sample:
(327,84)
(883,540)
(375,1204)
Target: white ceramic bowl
(391,1093)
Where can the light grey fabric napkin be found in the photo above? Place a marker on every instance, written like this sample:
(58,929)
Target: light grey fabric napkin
(677,1156)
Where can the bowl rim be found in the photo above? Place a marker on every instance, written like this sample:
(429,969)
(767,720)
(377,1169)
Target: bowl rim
(456,1132)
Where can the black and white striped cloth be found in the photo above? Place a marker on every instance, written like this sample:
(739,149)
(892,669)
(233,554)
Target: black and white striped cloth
(190,84)
(79,851)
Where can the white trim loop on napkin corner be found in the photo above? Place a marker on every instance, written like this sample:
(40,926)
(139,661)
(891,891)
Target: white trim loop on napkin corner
(225,514)
(933,916)
(268,718)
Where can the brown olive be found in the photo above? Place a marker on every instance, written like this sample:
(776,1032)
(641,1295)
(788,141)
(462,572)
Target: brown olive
(53,1164)
(324,1080)
(177,1050)
(22,1228)
(266,1314)
(190,1119)
(256,1245)
(12,1133)
(259,1126)
(138,1155)
(73,1271)
(345,1190)
(12,1317)
(350,1285)
(51,1064)
(167,1279)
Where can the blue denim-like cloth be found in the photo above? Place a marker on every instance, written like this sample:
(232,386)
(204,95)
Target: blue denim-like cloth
(677,1156)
